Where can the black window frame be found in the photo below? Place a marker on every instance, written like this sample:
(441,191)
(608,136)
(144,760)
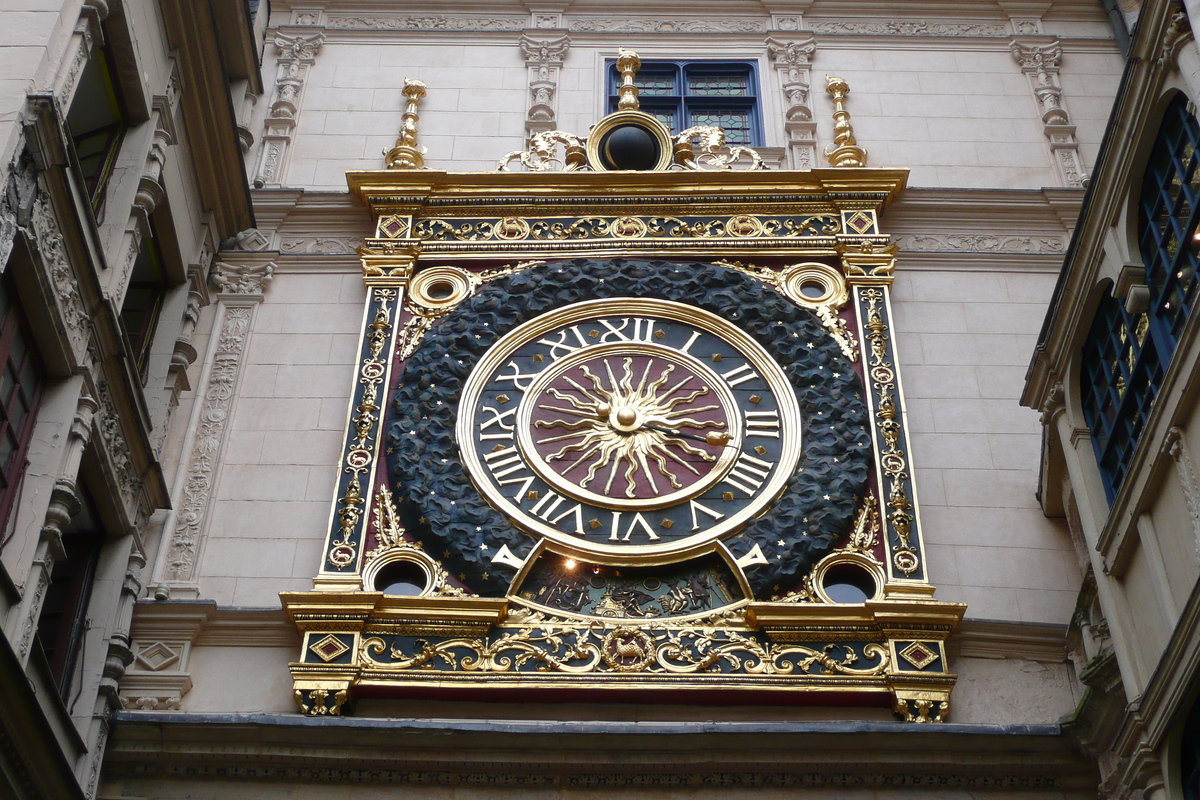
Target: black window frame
(112,135)
(1126,355)
(153,290)
(683,104)
(15,328)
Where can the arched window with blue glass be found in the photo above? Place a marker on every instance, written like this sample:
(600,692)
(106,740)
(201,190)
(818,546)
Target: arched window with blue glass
(1127,352)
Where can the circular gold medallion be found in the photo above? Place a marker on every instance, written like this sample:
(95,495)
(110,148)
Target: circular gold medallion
(629,428)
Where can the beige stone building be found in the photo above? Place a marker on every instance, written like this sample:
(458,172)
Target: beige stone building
(282,337)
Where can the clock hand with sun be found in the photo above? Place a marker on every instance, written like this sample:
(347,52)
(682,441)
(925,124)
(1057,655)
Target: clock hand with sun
(714,438)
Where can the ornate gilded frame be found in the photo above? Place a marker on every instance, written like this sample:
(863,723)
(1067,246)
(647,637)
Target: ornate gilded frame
(815,237)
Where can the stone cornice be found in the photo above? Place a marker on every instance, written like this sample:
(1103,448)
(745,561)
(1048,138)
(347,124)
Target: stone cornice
(984,638)
(569,754)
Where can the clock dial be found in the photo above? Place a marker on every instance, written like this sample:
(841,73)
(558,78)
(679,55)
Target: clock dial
(627,427)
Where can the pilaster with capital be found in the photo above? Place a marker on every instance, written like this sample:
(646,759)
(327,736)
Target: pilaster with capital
(295,56)
(1041,61)
(793,61)
(239,291)
(543,58)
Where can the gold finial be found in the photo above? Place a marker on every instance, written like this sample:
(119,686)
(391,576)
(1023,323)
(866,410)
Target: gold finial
(628,62)
(844,152)
(406,154)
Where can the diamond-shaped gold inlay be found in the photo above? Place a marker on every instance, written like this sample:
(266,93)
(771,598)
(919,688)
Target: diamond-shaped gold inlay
(668,523)
(918,655)
(393,227)
(329,648)
(594,524)
(727,496)
(860,222)
(502,399)
(762,451)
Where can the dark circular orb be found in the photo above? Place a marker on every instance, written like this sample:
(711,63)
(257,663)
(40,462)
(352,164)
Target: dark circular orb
(846,583)
(629,147)
(400,579)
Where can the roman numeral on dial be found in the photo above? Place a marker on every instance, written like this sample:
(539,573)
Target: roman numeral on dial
(749,473)
(762,423)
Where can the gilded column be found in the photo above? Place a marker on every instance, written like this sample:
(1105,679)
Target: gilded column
(386,272)
(240,291)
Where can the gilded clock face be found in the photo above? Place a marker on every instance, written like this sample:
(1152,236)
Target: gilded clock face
(629,427)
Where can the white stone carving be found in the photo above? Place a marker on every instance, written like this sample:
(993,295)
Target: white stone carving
(913,27)
(793,61)
(427,22)
(325,245)
(53,250)
(108,421)
(1041,63)
(243,279)
(982,243)
(666,25)
(544,59)
(241,289)
(295,56)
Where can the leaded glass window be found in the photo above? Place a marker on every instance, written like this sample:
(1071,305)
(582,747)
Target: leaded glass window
(684,94)
(1126,355)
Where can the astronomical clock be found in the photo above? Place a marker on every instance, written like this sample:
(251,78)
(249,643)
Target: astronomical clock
(626,423)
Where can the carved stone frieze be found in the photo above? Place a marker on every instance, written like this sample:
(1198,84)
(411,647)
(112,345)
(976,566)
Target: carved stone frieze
(426,22)
(913,27)
(112,434)
(666,25)
(543,59)
(325,245)
(1041,63)
(295,55)
(793,62)
(981,243)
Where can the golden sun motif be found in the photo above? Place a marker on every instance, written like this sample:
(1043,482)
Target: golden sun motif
(621,427)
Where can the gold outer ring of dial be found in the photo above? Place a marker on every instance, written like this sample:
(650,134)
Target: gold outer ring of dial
(483,373)
(548,375)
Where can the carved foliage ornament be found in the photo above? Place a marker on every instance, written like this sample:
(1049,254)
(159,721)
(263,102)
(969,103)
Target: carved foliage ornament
(442,506)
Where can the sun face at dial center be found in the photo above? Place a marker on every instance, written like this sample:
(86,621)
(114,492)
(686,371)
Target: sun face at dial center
(629,424)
